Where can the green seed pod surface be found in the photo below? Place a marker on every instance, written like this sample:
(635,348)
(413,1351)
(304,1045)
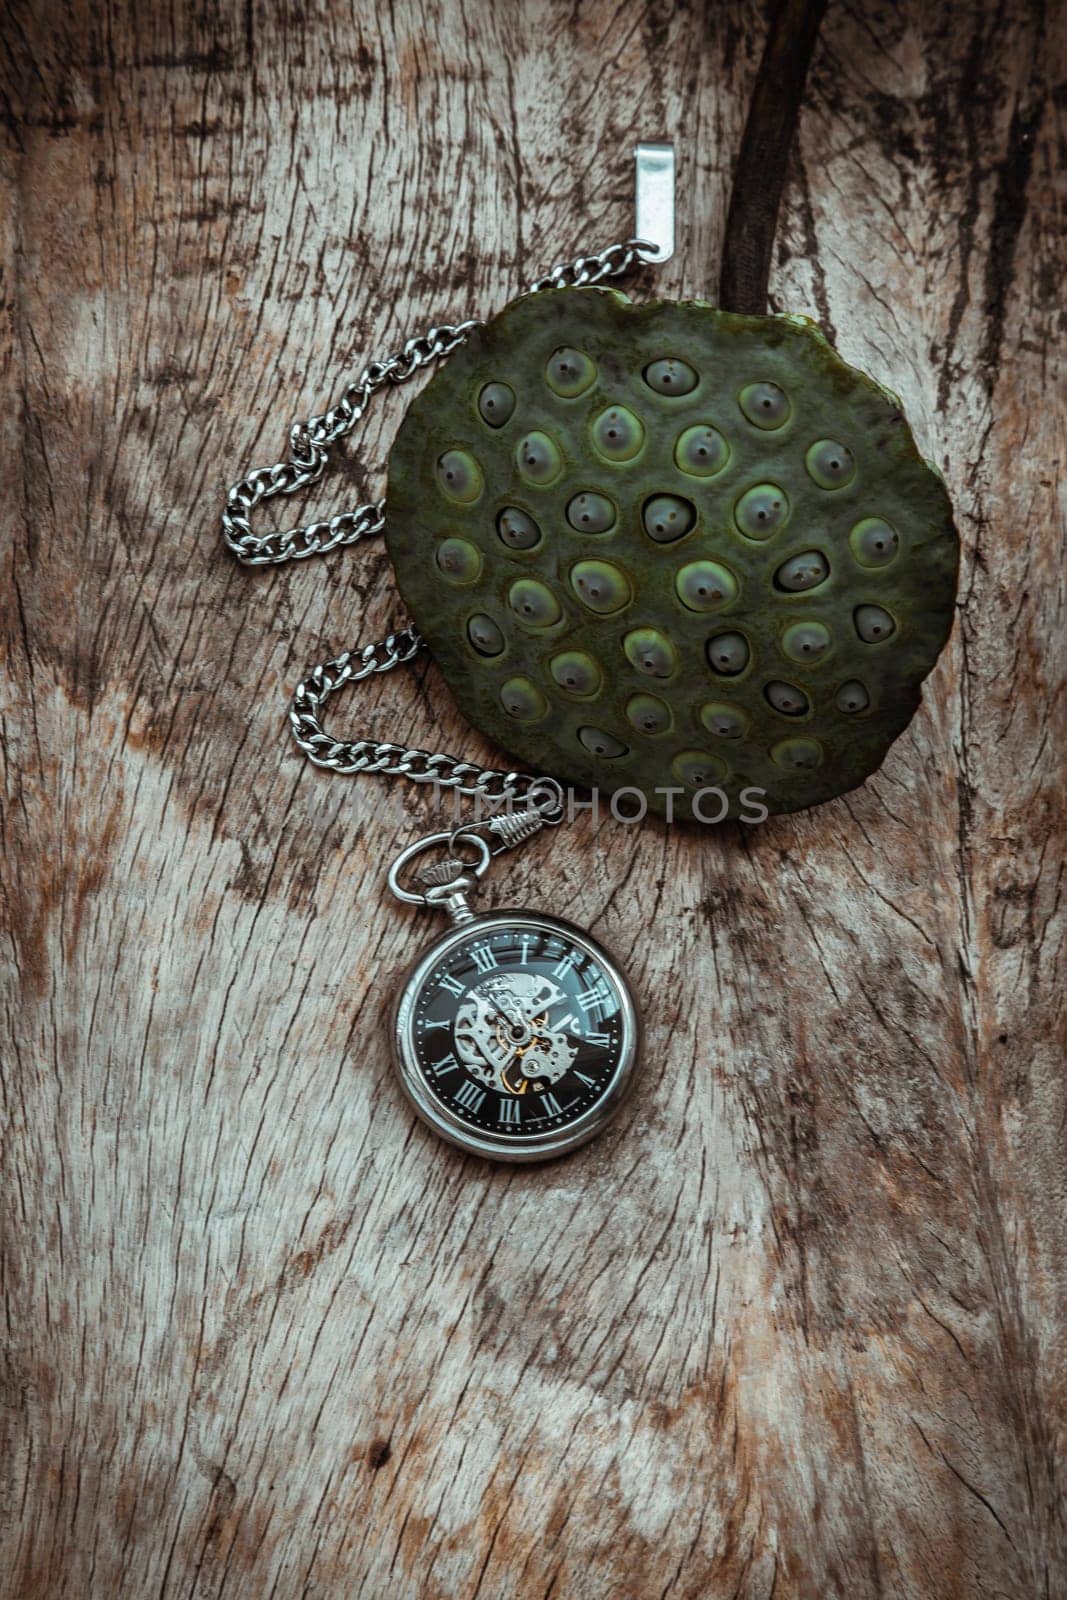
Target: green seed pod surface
(576,672)
(701,451)
(617,434)
(458,560)
(601,743)
(648,713)
(650,652)
(765,405)
(534,603)
(517,528)
(671,377)
(802,572)
(569,372)
(591,512)
(496,404)
(725,722)
(600,586)
(760,520)
(485,635)
(705,586)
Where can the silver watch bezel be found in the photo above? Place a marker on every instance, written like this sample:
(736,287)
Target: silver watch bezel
(537,1147)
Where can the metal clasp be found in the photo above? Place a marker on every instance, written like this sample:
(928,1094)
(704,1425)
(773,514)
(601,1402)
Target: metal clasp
(655,199)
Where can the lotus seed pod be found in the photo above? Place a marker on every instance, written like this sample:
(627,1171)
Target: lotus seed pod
(600,586)
(591,513)
(670,377)
(523,700)
(538,458)
(840,590)
(728,654)
(852,697)
(577,673)
(873,624)
(484,635)
(668,517)
(517,528)
(697,769)
(830,464)
(533,603)
(802,572)
(725,722)
(651,652)
(496,404)
(787,699)
(806,641)
(459,560)
(797,755)
(764,405)
(570,372)
(460,476)
(701,451)
(648,713)
(705,586)
(617,434)
(874,543)
(761,510)
(600,743)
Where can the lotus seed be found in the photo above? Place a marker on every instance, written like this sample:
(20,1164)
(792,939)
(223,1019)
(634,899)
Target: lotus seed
(806,641)
(523,700)
(600,586)
(538,458)
(484,635)
(830,464)
(618,434)
(705,586)
(650,652)
(648,714)
(668,517)
(599,743)
(569,372)
(459,560)
(802,572)
(726,722)
(517,528)
(576,672)
(496,403)
(591,513)
(761,510)
(701,450)
(873,624)
(852,697)
(797,755)
(728,653)
(534,603)
(874,543)
(697,769)
(787,699)
(765,405)
(671,376)
(460,476)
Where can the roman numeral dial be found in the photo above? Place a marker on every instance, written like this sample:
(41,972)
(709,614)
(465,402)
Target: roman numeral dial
(516,1036)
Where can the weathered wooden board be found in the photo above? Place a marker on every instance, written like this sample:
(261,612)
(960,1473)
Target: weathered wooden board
(795,1326)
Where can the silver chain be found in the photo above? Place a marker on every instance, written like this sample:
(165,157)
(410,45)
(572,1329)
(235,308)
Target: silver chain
(308,442)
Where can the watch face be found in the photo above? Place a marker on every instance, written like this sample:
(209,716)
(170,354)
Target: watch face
(516,1036)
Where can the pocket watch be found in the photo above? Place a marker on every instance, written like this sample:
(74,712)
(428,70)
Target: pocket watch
(514,1034)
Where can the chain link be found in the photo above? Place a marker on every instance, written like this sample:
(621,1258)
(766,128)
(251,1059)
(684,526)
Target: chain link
(308,442)
(349,756)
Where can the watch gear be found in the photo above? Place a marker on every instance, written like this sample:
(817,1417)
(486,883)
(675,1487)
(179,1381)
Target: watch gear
(502,1034)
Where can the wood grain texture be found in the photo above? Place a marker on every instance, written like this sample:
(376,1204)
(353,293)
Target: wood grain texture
(795,1326)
